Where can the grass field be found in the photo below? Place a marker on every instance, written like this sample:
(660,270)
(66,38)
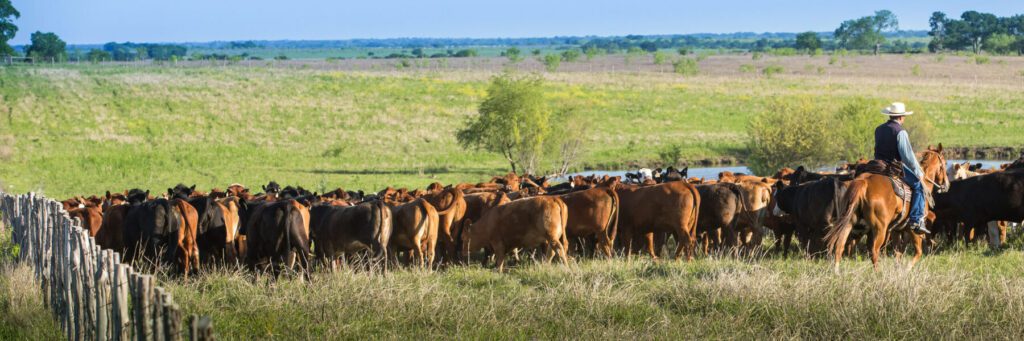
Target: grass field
(967,294)
(84,129)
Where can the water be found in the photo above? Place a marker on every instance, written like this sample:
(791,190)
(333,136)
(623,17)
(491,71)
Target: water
(711,173)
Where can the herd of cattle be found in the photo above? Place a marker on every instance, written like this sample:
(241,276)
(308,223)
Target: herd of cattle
(587,216)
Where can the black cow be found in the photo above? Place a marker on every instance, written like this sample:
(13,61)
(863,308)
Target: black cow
(977,200)
(212,231)
(277,236)
(812,207)
(151,230)
(338,231)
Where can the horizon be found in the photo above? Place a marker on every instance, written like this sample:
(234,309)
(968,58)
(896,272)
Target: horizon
(259,20)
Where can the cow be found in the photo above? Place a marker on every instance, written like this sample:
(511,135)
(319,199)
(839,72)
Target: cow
(414,230)
(451,208)
(162,230)
(214,240)
(670,208)
(278,236)
(341,231)
(812,208)
(978,200)
(593,215)
(721,206)
(527,223)
(91,217)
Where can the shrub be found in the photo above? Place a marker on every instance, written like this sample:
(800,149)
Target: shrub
(551,62)
(915,70)
(685,66)
(772,70)
(660,57)
(832,60)
(670,155)
(756,56)
(791,133)
(981,59)
(747,68)
(571,55)
(782,51)
(683,51)
(941,57)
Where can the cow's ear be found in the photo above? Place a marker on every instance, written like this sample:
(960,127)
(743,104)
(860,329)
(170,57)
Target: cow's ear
(193,187)
(147,193)
(940,148)
(764,180)
(264,187)
(170,191)
(108,195)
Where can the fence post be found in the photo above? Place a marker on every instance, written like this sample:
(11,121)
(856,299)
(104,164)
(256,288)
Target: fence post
(102,292)
(201,328)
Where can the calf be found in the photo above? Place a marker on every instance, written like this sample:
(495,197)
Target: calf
(414,230)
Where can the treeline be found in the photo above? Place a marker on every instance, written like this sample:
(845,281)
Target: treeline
(977,32)
(134,51)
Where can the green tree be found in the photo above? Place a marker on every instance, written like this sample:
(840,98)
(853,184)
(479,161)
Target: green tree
(570,55)
(466,53)
(808,41)
(937,22)
(591,52)
(551,62)
(7,27)
(660,57)
(512,120)
(685,66)
(97,55)
(1000,43)
(866,32)
(47,47)
(513,54)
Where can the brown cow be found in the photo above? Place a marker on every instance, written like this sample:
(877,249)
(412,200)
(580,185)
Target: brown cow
(451,207)
(479,203)
(670,207)
(91,217)
(188,249)
(593,213)
(111,231)
(414,230)
(526,223)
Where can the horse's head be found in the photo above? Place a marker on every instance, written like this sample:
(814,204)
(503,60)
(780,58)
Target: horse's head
(934,166)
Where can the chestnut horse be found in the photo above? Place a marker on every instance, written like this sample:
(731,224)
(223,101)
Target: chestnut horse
(870,201)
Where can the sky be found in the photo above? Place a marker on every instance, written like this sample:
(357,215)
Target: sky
(101,21)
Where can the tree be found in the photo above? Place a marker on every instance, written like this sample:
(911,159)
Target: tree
(513,120)
(7,27)
(418,52)
(1000,43)
(47,47)
(979,26)
(551,62)
(96,56)
(938,31)
(513,54)
(570,55)
(866,32)
(808,41)
(591,52)
(466,53)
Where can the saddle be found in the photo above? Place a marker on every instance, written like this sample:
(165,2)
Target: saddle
(893,171)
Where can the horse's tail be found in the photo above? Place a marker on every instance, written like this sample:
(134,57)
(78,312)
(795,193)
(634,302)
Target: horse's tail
(842,226)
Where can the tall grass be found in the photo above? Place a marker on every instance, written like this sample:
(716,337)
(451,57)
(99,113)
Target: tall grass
(952,295)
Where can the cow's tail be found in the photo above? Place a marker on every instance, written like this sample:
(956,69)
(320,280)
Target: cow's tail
(456,197)
(611,229)
(842,226)
(563,218)
(693,213)
(381,220)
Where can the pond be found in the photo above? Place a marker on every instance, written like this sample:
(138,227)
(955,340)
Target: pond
(712,172)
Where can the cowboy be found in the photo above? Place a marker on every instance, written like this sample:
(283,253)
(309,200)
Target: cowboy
(892,145)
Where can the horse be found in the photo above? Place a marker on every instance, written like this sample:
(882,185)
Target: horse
(871,201)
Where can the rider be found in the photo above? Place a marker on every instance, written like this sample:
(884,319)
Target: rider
(892,143)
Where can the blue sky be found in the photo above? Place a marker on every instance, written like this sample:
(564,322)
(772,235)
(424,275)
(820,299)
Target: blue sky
(99,21)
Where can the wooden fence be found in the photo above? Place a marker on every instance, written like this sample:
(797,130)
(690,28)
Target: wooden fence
(93,295)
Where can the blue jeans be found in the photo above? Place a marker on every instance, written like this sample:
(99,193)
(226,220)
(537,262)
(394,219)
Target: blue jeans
(917,197)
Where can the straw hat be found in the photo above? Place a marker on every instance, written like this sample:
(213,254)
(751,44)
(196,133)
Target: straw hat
(896,109)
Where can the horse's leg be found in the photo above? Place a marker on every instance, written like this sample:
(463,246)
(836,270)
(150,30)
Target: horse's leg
(917,239)
(879,240)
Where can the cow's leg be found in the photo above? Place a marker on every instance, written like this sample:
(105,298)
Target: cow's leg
(787,238)
(499,257)
(994,235)
(605,243)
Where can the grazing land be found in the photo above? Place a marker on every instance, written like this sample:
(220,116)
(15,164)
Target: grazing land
(84,129)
